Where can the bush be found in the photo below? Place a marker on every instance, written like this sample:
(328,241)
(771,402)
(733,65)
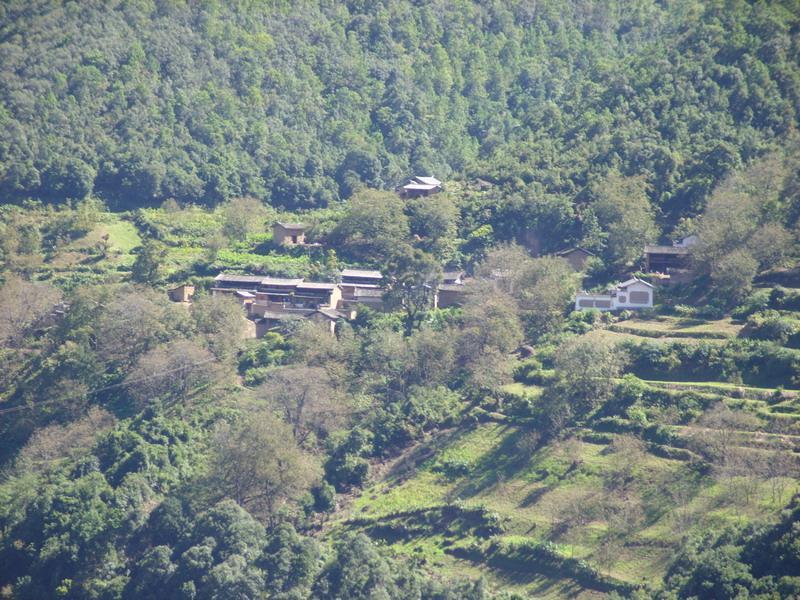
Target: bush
(453,467)
(771,325)
(529,371)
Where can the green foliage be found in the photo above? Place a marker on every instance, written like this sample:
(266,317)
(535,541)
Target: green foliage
(301,107)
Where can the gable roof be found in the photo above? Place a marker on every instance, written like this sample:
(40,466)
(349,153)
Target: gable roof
(428,180)
(574,249)
(235,278)
(633,280)
(314,285)
(280,281)
(368,274)
(420,186)
(655,249)
(292,226)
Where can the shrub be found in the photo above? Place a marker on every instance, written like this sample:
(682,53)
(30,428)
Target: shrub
(771,325)
(453,467)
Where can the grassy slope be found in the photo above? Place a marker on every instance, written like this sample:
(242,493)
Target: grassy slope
(534,493)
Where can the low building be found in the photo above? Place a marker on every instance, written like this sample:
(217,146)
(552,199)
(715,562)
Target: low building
(665,259)
(271,320)
(362,277)
(633,294)
(453,277)
(182,293)
(450,294)
(420,186)
(288,234)
(289,295)
(576,257)
(361,286)
(226,283)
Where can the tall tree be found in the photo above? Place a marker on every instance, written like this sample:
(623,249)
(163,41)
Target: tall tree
(257,463)
(624,210)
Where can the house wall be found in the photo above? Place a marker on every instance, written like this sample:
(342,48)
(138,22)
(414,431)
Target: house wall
(598,301)
(448,298)
(285,237)
(182,293)
(576,259)
(636,295)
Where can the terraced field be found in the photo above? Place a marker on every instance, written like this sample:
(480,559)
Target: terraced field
(607,505)
(564,494)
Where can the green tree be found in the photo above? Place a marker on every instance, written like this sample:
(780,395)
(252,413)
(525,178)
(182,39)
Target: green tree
(149,258)
(256,463)
(242,216)
(411,277)
(373,227)
(623,208)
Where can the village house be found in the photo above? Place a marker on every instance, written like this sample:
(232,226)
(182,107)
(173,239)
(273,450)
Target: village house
(665,259)
(576,257)
(453,277)
(451,291)
(633,294)
(420,186)
(229,284)
(361,286)
(271,301)
(288,234)
(182,293)
(276,294)
(449,294)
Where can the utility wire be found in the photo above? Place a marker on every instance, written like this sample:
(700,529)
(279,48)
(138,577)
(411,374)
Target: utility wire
(4,411)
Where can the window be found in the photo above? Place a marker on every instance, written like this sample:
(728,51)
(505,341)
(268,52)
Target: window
(622,299)
(585,303)
(640,297)
(602,303)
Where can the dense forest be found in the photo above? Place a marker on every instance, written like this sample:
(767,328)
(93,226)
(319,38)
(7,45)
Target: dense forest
(506,446)
(300,103)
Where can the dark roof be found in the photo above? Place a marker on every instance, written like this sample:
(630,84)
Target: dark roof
(653,249)
(575,249)
(452,287)
(332,313)
(297,226)
(239,278)
(366,274)
(312,285)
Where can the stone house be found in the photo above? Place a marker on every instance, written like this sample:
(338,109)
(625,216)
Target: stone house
(288,234)
(182,293)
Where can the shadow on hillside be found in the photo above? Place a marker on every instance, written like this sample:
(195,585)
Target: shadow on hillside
(408,465)
(500,464)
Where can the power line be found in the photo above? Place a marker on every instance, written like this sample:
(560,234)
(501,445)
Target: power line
(4,411)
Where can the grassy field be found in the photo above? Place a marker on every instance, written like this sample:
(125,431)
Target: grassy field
(678,327)
(562,493)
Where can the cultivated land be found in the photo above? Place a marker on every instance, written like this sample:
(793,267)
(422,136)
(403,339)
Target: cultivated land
(482,498)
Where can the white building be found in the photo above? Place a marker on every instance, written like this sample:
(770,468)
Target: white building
(632,295)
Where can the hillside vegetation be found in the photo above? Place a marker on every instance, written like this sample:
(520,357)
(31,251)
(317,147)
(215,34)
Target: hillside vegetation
(501,448)
(300,103)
